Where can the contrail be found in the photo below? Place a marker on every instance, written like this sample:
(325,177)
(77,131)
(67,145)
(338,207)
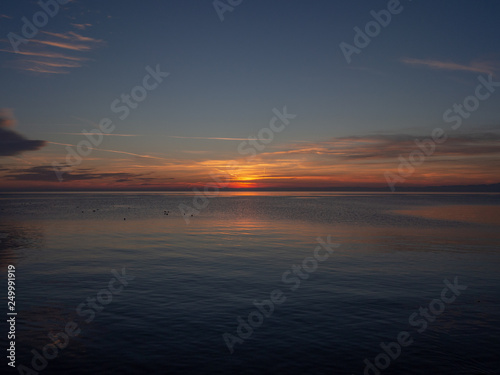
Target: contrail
(216,138)
(112,135)
(118,152)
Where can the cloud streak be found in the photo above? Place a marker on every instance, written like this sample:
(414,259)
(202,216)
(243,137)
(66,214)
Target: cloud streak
(362,161)
(214,138)
(81,26)
(487,67)
(107,135)
(70,40)
(114,151)
(54,53)
(379,147)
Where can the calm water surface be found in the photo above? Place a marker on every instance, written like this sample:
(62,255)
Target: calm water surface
(192,282)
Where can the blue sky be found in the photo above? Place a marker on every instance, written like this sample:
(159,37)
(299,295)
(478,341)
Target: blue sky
(227,76)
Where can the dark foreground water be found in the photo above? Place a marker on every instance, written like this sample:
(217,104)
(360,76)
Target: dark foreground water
(190,289)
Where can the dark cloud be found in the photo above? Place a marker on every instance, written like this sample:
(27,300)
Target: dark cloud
(12,143)
(48,174)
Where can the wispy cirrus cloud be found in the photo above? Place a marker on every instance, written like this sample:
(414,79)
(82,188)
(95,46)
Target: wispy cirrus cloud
(477,66)
(54,53)
(69,40)
(48,66)
(81,26)
(46,54)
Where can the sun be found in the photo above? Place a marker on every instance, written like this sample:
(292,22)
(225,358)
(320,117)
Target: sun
(245,178)
(244,182)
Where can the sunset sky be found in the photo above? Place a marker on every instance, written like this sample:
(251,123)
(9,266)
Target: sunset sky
(220,76)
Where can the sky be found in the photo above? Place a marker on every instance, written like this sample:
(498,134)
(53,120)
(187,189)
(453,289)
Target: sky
(278,94)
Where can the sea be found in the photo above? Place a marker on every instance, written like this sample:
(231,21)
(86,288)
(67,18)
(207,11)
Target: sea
(250,283)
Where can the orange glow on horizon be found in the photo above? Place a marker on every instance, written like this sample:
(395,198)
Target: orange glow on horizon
(349,163)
